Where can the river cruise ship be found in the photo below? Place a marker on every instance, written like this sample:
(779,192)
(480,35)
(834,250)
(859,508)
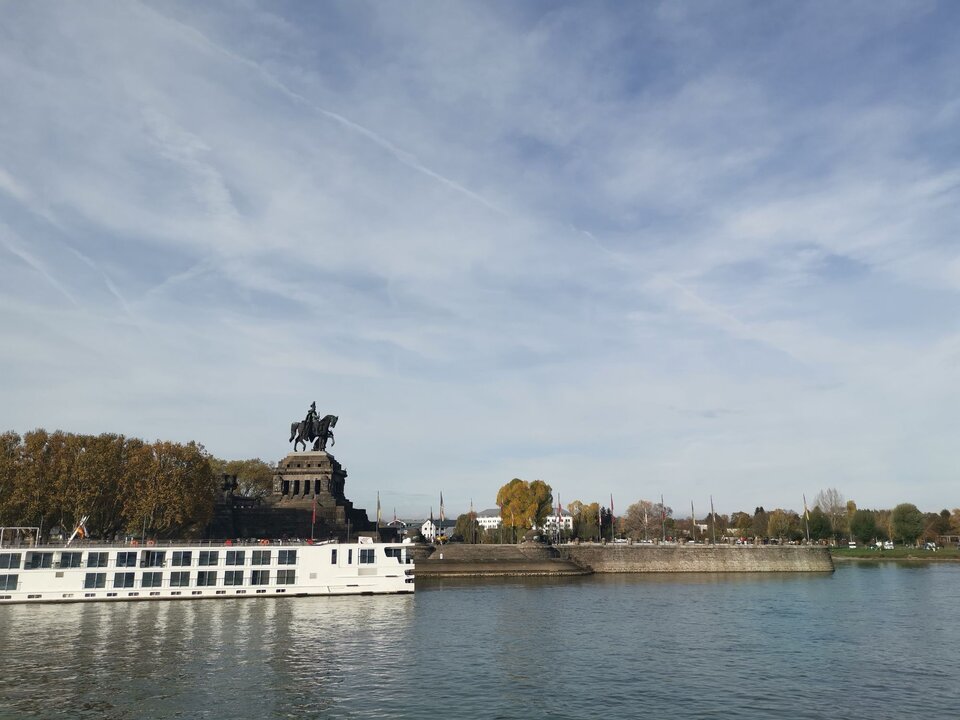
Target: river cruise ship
(180,571)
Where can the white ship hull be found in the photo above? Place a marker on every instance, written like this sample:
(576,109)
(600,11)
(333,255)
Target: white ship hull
(92,572)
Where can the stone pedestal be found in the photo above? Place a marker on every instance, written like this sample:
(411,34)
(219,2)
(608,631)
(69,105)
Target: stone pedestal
(314,475)
(302,480)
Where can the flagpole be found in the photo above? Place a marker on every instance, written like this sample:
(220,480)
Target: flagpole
(663,520)
(693,523)
(713,523)
(806,517)
(613,525)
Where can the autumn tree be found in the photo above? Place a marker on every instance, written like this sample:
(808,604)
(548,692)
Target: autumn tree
(524,505)
(585,519)
(254,476)
(778,524)
(742,522)
(644,520)
(168,488)
(9,466)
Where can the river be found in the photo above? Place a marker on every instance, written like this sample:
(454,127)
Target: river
(872,640)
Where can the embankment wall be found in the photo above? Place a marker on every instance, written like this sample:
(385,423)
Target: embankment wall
(700,558)
(535,559)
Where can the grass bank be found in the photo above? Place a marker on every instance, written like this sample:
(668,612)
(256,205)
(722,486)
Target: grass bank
(898,553)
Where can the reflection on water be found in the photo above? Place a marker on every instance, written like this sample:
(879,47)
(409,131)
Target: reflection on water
(204,658)
(872,641)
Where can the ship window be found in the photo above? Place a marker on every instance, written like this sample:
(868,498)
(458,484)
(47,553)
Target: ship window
(208,557)
(152,579)
(179,579)
(393,552)
(235,557)
(333,556)
(367,556)
(96,559)
(152,558)
(261,557)
(70,559)
(126,559)
(182,558)
(8,582)
(206,578)
(287,557)
(350,556)
(9,561)
(123,580)
(286,577)
(94,580)
(233,577)
(40,560)
(260,577)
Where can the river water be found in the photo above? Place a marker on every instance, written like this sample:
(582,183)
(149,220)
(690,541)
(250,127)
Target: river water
(872,640)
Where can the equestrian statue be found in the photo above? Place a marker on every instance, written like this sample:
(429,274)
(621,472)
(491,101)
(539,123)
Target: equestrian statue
(313,429)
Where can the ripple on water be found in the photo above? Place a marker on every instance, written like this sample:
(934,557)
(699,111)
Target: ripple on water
(873,641)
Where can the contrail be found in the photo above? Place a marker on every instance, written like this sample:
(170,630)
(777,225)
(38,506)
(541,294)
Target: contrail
(403,156)
(5,238)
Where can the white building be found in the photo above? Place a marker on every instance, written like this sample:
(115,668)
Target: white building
(430,529)
(564,521)
(489,519)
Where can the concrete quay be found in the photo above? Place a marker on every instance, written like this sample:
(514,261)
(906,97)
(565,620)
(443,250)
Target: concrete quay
(580,559)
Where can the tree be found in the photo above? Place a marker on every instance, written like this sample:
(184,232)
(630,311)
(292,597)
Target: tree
(169,488)
(742,522)
(761,523)
(716,526)
(585,519)
(863,525)
(467,529)
(906,523)
(254,476)
(524,505)
(644,520)
(778,524)
(819,524)
(10,445)
(832,502)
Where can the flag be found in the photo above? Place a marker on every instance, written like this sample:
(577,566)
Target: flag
(611,506)
(806,513)
(378,508)
(441,507)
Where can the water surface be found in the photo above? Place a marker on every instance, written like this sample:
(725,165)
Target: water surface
(869,641)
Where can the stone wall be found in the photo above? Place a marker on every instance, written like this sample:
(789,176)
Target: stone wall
(535,559)
(700,558)
(461,560)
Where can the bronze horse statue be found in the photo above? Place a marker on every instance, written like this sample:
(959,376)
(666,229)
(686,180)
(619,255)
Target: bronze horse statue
(314,430)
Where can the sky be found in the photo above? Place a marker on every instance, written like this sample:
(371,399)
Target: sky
(687,249)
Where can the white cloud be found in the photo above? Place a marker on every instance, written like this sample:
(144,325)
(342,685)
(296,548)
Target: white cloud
(657,249)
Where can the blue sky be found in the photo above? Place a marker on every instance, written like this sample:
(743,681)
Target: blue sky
(687,249)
